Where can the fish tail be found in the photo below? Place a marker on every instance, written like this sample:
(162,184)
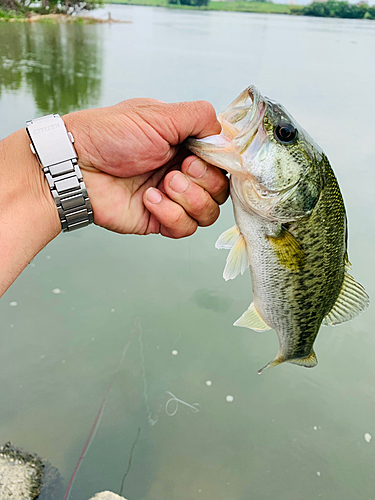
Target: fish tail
(308,362)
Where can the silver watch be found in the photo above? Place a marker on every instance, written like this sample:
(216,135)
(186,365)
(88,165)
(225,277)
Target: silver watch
(53,146)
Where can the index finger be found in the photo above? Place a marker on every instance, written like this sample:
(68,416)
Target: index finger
(210,178)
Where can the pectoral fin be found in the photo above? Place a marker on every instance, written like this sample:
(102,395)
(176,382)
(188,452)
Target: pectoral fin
(228,238)
(351,301)
(252,319)
(288,250)
(237,260)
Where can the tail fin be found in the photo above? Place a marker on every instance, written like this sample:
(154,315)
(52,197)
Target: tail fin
(308,362)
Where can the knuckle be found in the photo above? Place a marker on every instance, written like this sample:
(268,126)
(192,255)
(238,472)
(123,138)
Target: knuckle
(220,188)
(210,216)
(186,230)
(177,219)
(206,107)
(204,205)
(182,225)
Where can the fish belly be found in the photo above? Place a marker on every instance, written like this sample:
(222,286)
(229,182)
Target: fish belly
(293,303)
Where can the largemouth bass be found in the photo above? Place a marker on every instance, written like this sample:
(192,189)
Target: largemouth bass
(291,226)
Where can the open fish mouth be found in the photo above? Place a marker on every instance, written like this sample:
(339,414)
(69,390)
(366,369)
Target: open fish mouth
(240,123)
(241,120)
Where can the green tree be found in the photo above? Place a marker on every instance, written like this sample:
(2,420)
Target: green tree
(338,8)
(67,6)
(196,3)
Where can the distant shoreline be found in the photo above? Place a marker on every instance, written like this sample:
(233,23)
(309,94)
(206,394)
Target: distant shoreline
(236,6)
(57,18)
(331,9)
(337,9)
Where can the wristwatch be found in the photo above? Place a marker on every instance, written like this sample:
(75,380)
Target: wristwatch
(53,146)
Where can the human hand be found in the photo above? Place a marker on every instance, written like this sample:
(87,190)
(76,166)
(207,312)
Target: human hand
(139,179)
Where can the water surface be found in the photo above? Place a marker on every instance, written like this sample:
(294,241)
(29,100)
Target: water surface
(291,433)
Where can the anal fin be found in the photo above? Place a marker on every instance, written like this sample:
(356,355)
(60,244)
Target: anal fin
(252,319)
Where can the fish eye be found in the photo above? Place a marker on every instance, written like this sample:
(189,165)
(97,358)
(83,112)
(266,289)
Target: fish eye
(285,132)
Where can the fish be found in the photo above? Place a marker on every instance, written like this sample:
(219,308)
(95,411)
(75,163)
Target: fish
(291,226)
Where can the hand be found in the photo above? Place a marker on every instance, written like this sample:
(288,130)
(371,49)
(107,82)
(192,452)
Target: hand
(138,177)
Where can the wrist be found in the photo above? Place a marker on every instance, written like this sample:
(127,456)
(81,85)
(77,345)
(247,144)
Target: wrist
(28,215)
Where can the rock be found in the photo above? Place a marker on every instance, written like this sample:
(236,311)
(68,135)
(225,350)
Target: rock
(107,495)
(24,476)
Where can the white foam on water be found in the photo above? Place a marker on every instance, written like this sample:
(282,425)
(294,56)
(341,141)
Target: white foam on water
(208,383)
(229,399)
(367,437)
(13,304)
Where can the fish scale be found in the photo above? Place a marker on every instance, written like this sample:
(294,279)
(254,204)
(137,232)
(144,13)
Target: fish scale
(291,227)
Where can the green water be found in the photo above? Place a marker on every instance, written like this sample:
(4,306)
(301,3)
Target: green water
(289,434)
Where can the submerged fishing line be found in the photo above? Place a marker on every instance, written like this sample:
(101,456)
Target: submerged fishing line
(195,407)
(96,423)
(151,421)
(130,460)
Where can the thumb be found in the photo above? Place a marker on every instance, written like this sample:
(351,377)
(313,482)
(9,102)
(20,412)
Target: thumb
(195,118)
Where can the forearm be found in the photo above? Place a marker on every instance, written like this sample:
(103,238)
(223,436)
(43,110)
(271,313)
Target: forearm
(28,215)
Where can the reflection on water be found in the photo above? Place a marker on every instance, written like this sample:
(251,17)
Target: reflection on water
(209,299)
(60,64)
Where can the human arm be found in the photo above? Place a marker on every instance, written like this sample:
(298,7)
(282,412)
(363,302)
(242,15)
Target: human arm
(129,155)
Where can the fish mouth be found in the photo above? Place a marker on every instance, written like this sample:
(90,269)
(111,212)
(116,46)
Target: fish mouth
(241,122)
(243,117)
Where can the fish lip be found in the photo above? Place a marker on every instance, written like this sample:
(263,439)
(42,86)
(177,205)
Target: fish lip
(251,123)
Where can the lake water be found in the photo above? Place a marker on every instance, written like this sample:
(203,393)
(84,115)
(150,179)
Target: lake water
(289,434)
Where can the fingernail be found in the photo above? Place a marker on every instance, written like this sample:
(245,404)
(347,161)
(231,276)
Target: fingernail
(197,168)
(153,196)
(179,183)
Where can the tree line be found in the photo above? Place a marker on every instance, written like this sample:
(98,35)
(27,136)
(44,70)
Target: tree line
(335,8)
(195,3)
(49,6)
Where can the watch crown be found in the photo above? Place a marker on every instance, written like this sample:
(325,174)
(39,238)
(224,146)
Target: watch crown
(71,137)
(32,149)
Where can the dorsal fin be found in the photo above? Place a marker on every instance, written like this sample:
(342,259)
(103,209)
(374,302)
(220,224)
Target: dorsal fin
(352,300)
(228,238)
(252,319)
(237,260)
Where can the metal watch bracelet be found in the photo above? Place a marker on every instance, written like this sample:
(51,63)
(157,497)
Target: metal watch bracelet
(53,146)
